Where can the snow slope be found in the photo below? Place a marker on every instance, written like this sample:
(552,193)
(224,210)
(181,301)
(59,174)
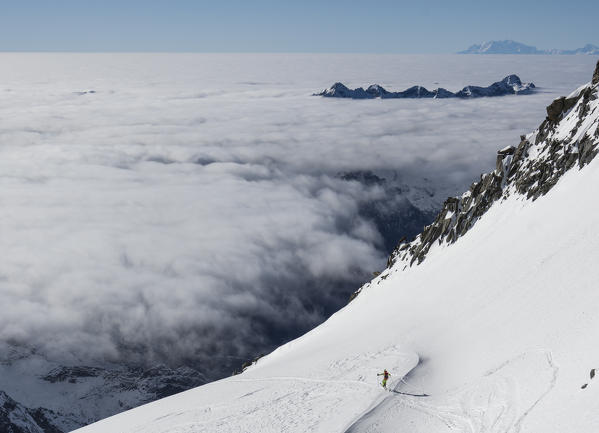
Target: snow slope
(498,329)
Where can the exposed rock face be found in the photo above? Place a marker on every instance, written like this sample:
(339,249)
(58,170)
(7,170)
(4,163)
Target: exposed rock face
(559,106)
(596,75)
(157,382)
(510,85)
(568,137)
(62,398)
(16,418)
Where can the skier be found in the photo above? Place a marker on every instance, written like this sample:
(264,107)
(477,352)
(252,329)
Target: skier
(385,375)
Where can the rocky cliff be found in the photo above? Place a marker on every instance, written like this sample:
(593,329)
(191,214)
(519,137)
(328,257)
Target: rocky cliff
(16,418)
(567,139)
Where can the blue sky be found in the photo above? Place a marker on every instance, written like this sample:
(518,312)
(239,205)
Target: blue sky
(292,26)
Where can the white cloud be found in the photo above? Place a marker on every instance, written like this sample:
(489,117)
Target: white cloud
(183,213)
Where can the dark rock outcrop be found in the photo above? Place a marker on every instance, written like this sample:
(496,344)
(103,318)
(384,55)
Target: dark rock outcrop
(247,364)
(86,391)
(155,382)
(16,418)
(596,75)
(510,85)
(71,374)
(559,106)
(569,136)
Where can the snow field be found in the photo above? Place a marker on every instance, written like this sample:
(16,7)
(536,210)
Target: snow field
(498,329)
(331,393)
(502,321)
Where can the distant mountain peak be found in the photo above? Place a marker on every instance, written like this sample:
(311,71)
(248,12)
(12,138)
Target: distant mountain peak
(510,85)
(512,47)
(501,47)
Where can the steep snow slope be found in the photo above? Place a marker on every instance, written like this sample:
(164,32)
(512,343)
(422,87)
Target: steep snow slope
(497,325)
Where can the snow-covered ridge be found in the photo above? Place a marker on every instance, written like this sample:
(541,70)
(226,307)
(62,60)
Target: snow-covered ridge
(568,137)
(513,47)
(489,335)
(510,85)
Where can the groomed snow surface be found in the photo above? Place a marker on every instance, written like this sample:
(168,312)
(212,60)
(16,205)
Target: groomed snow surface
(499,329)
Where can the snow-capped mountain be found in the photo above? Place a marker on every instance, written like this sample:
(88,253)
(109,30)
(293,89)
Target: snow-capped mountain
(510,85)
(513,47)
(487,321)
(587,49)
(501,47)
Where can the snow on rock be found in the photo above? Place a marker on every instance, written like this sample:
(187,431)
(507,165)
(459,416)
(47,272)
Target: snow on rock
(494,332)
(510,85)
(566,138)
(588,49)
(501,47)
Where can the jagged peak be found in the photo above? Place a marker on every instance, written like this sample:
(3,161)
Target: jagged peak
(510,85)
(338,85)
(376,88)
(512,79)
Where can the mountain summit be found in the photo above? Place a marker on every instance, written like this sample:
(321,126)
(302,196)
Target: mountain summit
(513,47)
(510,85)
(486,321)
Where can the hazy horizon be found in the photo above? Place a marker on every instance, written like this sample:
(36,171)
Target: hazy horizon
(380,26)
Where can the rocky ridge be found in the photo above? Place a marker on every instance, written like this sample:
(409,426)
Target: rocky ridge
(16,418)
(510,85)
(568,137)
(41,396)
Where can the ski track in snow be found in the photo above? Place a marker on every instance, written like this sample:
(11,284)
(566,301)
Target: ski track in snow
(489,316)
(490,404)
(287,403)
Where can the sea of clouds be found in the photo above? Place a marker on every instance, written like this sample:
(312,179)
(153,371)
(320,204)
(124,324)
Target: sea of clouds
(187,208)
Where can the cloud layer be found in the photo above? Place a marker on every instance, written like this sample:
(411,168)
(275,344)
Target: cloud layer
(190,209)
